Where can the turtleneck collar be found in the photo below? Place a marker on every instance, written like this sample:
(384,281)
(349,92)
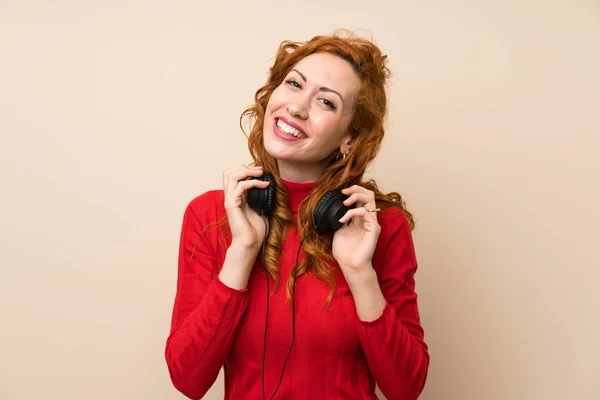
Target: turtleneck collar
(298,192)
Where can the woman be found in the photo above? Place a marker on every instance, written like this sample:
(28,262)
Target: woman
(346,318)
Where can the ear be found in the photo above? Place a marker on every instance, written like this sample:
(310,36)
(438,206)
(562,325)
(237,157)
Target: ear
(347,143)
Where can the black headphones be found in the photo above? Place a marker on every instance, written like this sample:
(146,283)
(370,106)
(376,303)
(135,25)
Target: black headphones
(328,211)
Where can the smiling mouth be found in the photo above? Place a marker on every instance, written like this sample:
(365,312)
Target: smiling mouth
(290,130)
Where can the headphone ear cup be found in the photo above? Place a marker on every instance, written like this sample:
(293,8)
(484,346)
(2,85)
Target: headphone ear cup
(269,194)
(329,210)
(262,200)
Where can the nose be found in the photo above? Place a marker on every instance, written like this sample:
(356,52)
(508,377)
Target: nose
(298,108)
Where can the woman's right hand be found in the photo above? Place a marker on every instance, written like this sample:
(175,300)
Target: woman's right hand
(247,227)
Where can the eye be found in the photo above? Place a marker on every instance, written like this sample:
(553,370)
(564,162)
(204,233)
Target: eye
(293,83)
(328,104)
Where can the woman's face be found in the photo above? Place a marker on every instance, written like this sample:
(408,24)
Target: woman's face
(309,114)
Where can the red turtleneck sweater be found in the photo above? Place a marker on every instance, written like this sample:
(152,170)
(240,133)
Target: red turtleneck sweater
(335,355)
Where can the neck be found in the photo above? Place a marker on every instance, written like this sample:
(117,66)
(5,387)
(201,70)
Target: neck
(297,192)
(300,173)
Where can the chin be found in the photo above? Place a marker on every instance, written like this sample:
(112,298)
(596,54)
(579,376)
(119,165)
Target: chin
(277,152)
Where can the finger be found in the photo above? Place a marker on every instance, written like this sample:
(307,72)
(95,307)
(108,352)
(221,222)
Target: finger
(355,189)
(243,186)
(362,199)
(250,183)
(359,212)
(357,198)
(232,178)
(241,172)
(237,174)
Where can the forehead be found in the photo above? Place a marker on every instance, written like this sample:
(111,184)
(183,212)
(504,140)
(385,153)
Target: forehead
(323,69)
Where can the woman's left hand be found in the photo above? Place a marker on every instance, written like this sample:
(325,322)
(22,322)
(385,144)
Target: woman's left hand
(354,243)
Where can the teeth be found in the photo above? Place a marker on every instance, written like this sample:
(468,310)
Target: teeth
(288,129)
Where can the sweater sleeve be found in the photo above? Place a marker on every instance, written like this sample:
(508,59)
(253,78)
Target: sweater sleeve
(393,343)
(206,312)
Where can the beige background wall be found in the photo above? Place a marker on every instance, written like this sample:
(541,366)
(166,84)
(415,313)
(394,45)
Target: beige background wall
(115,114)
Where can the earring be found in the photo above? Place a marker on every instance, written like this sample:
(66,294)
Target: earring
(346,153)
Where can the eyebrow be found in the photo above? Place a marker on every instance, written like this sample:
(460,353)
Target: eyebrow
(322,88)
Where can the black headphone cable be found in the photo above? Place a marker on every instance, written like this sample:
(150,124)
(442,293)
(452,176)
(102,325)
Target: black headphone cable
(267,313)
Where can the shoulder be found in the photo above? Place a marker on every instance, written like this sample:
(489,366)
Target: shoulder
(207,206)
(393,220)
(395,239)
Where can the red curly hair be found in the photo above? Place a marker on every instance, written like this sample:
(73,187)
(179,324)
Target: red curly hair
(366,128)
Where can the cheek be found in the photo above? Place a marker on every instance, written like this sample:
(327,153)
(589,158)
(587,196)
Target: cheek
(329,126)
(276,100)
